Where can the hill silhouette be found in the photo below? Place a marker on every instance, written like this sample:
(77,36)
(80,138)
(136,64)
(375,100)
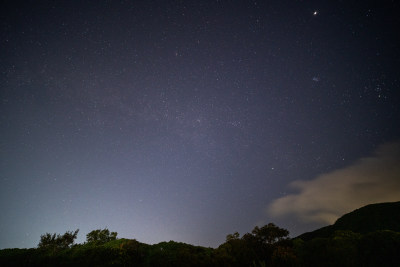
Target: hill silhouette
(368,236)
(370,218)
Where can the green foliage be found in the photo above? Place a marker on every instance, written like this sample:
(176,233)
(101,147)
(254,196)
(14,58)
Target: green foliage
(233,236)
(371,218)
(380,248)
(236,252)
(284,256)
(18,257)
(346,248)
(101,236)
(343,248)
(268,245)
(255,248)
(178,254)
(270,234)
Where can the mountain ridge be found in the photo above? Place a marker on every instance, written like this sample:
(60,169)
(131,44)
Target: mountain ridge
(369,218)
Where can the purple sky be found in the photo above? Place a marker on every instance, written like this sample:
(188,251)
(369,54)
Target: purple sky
(187,120)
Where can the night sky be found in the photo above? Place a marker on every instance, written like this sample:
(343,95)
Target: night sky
(190,120)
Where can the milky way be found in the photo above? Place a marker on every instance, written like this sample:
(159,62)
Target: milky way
(185,120)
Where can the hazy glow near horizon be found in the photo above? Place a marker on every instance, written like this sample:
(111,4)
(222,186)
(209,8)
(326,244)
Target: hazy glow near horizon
(192,120)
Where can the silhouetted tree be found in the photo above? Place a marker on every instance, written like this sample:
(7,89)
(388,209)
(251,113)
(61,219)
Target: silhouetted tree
(101,236)
(54,241)
(256,247)
(270,234)
(233,236)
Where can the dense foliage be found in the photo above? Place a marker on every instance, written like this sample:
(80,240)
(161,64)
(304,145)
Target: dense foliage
(268,245)
(371,218)
(343,248)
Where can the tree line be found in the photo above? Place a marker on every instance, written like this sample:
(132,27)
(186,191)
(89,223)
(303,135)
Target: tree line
(268,245)
(56,242)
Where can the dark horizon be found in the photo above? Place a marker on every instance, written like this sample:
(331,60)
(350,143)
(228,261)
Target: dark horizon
(188,120)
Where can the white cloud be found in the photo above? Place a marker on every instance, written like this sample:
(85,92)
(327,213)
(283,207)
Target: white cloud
(329,196)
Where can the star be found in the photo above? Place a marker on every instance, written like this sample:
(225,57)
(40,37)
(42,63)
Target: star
(155,118)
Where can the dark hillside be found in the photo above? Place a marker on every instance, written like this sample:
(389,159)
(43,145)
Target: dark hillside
(369,236)
(370,218)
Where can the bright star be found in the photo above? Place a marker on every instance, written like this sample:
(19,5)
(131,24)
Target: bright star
(315,13)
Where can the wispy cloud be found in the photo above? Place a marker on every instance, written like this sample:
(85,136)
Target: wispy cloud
(328,196)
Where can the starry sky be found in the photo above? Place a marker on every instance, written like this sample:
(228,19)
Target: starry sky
(190,120)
